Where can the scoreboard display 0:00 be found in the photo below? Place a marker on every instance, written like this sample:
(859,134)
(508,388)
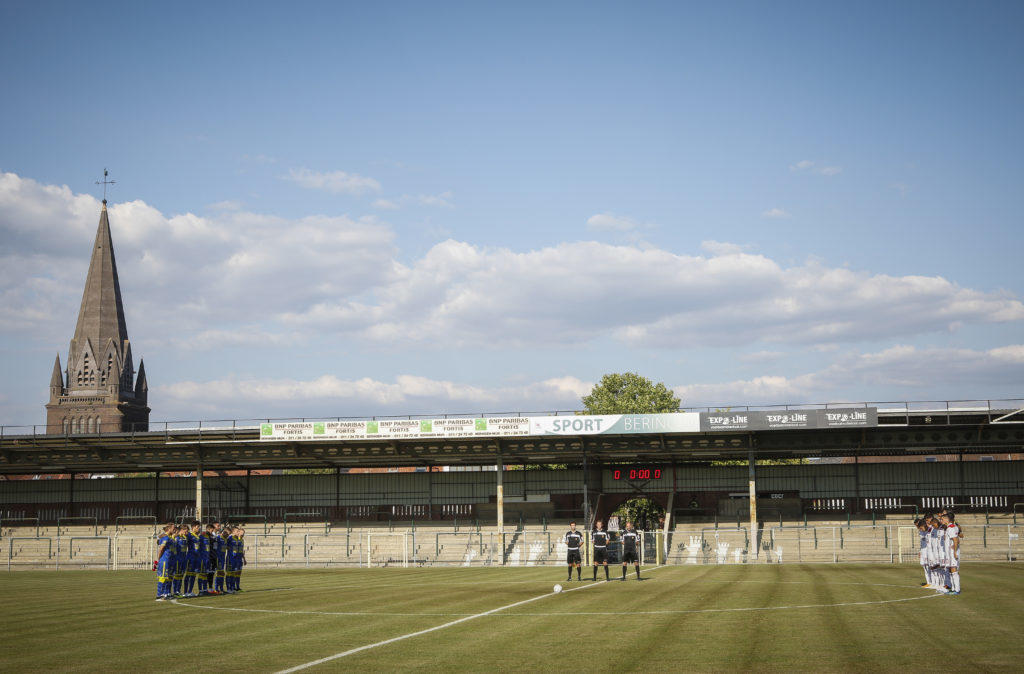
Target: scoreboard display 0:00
(636,473)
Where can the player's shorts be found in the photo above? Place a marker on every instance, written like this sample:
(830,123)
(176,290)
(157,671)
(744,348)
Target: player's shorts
(164,570)
(573,557)
(630,557)
(600,555)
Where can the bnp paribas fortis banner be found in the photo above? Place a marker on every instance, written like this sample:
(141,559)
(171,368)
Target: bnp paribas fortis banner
(482,427)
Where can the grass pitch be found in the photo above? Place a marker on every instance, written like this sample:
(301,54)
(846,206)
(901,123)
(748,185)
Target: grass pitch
(705,618)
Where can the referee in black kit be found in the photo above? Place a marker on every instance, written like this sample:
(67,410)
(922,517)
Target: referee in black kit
(600,538)
(573,541)
(630,550)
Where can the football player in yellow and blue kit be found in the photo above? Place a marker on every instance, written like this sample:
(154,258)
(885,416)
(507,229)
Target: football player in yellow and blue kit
(232,560)
(223,585)
(180,556)
(191,539)
(239,556)
(165,563)
(211,556)
(217,559)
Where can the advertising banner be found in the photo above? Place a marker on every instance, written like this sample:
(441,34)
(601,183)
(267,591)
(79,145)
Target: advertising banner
(852,417)
(591,424)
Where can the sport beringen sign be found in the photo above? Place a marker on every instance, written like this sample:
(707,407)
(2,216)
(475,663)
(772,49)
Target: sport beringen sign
(482,427)
(592,424)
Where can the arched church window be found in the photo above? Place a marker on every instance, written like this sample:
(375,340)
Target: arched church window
(89,425)
(97,424)
(64,425)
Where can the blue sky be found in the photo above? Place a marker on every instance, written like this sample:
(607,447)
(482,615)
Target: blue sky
(363,209)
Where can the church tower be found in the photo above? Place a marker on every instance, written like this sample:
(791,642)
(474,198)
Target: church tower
(99,392)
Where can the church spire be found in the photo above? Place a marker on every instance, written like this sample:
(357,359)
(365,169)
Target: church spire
(101,315)
(100,393)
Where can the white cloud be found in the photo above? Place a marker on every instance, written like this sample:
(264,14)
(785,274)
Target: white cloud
(208,278)
(443,200)
(227,205)
(721,247)
(613,223)
(775,213)
(405,392)
(760,356)
(337,182)
(573,293)
(814,167)
(900,372)
(183,274)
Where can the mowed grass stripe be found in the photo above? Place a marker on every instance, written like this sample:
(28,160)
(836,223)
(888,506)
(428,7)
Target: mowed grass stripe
(96,620)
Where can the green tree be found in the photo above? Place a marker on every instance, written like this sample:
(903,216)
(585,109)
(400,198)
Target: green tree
(629,393)
(641,511)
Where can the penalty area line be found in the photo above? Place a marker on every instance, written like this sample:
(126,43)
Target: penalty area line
(367,647)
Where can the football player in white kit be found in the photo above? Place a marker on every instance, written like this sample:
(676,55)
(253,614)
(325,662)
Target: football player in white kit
(926,562)
(937,554)
(952,548)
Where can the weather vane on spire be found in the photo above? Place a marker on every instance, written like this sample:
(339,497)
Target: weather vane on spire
(105,182)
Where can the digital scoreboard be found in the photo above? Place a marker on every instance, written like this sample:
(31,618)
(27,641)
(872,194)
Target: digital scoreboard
(636,472)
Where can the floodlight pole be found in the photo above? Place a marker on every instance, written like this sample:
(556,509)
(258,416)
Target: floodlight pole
(752,479)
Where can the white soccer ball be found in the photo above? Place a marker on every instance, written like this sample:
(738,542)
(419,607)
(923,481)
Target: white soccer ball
(558,588)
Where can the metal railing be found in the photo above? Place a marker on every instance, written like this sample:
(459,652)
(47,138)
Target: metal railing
(1002,406)
(94,520)
(890,544)
(8,520)
(326,524)
(148,518)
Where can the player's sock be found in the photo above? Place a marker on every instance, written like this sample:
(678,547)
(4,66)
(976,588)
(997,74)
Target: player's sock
(623,571)
(606,572)
(927,576)
(579,573)
(570,573)
(955,577)
(637,567)
(595,572)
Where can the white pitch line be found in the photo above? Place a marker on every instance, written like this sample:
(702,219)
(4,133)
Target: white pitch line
(436,628)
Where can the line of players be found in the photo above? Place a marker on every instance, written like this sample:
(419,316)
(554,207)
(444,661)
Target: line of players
(630,550)
(210,556)
(940,551)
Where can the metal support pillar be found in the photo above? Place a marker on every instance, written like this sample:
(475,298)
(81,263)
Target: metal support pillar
(156,496)
(248,475)
(855,506)
(587,524)
(752,479)
(71,496)
(430,492)
(501,495)
(199,493)
(963,493)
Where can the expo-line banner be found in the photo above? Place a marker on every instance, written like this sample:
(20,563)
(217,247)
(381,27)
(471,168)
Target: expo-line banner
(482,427)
